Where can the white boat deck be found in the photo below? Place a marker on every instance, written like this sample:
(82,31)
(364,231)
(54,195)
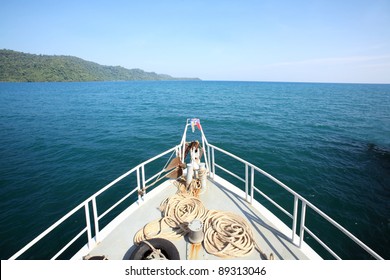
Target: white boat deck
(270,234)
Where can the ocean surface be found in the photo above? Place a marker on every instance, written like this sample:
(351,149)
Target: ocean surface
(61,142)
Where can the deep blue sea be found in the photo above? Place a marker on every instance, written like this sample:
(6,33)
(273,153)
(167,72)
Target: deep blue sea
(61,142)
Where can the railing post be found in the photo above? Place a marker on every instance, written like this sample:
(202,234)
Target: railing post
(252,182)
(213,162)
(246,182)
(295,218)
(138,186)
(178,153)
(95,218)
(302,227)
(143,178)
(88,223)
(206,152)
(209,159)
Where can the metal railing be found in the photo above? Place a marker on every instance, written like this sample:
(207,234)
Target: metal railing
(250,189)
(139,170)
(209,150)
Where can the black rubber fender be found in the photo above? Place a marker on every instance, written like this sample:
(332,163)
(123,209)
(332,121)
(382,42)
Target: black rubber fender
(168,249)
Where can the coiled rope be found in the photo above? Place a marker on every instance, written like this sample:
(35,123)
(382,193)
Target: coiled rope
(177,211)
(226,233)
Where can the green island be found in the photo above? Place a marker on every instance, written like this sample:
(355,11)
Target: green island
(24,67)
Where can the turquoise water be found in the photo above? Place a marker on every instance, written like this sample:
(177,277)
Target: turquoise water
(61,142)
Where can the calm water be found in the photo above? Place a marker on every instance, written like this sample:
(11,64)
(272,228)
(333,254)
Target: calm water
(61,142)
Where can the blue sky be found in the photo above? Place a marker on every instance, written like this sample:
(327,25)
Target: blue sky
(300,41)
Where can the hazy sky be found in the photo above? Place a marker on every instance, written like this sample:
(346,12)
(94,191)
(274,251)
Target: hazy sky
(308,41)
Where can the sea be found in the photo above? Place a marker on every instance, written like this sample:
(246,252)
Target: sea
(61,142)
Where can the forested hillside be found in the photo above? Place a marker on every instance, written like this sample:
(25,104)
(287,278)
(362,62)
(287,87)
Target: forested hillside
(24,67)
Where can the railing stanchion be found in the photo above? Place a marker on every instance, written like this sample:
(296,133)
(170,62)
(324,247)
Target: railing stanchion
(246,182)
(143,180)
(295,218)
(96,220)
(209,159)
(88,223)
(138,186)
(213,161)
(252,183)
(302,227)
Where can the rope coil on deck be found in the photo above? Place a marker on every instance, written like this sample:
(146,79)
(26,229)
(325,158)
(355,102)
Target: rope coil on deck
(226,233)
(177,211)
(182,209)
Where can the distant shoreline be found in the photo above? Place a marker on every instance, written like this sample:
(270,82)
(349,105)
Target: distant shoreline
(199,80)
(24,67)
